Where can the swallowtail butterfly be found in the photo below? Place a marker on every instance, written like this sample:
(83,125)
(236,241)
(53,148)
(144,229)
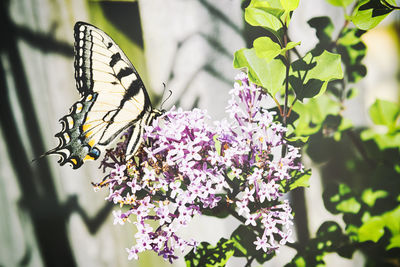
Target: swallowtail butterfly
(113,98)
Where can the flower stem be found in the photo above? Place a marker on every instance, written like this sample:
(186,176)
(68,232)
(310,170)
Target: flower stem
(285,106)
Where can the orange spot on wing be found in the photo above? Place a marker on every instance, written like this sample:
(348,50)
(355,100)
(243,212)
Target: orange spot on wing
(91,143)
(87,157)
(88,134)
(85,127)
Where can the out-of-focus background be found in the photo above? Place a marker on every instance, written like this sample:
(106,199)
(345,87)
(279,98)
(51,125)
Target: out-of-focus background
(50,215)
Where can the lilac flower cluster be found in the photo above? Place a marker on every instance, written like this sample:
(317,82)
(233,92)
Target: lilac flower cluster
(187,166)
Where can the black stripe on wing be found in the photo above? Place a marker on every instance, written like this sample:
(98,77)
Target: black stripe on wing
(83,60)
(135,140)
(92,46)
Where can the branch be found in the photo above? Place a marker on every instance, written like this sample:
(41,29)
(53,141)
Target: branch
(285,106)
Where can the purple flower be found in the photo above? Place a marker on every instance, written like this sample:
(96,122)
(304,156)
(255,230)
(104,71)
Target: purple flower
(134,185)
(163,214)
(193,153)
(261,243)
(251,219)
(243,208)
(118,173)
(133,253)
(118,217)
(191,164)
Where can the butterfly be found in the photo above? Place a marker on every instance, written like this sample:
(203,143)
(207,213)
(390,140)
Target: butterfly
(113,98)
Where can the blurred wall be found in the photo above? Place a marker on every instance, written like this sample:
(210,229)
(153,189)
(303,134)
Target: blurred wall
(50,214)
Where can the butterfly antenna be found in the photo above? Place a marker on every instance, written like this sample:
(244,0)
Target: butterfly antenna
(170,93)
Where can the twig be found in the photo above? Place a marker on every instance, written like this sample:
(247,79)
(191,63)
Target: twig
(285,106)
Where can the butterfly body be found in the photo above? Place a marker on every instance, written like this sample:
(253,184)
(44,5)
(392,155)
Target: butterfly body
(113,98)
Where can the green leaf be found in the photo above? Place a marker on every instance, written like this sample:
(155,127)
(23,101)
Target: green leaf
(219,211)
(268,14)
(344,189)
(369,196)
(303,181)
(342,3)
(243,238)
(323,27)
(313,113)
(300,262)
(289,5)
(352,50)
(392,220)
(310,75)
(329,238)
(383,141)
(273,7)
(289,46)
(217,144)
(394,242)
(328,68)
(371,230)
(384,112)
(397,169)
(266,48)
(369,13)
(269,75)
(268,18)
(350,205)
(329,228)
(302,139)
(337,199)
(309,89)
(208,255)
(259,3)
